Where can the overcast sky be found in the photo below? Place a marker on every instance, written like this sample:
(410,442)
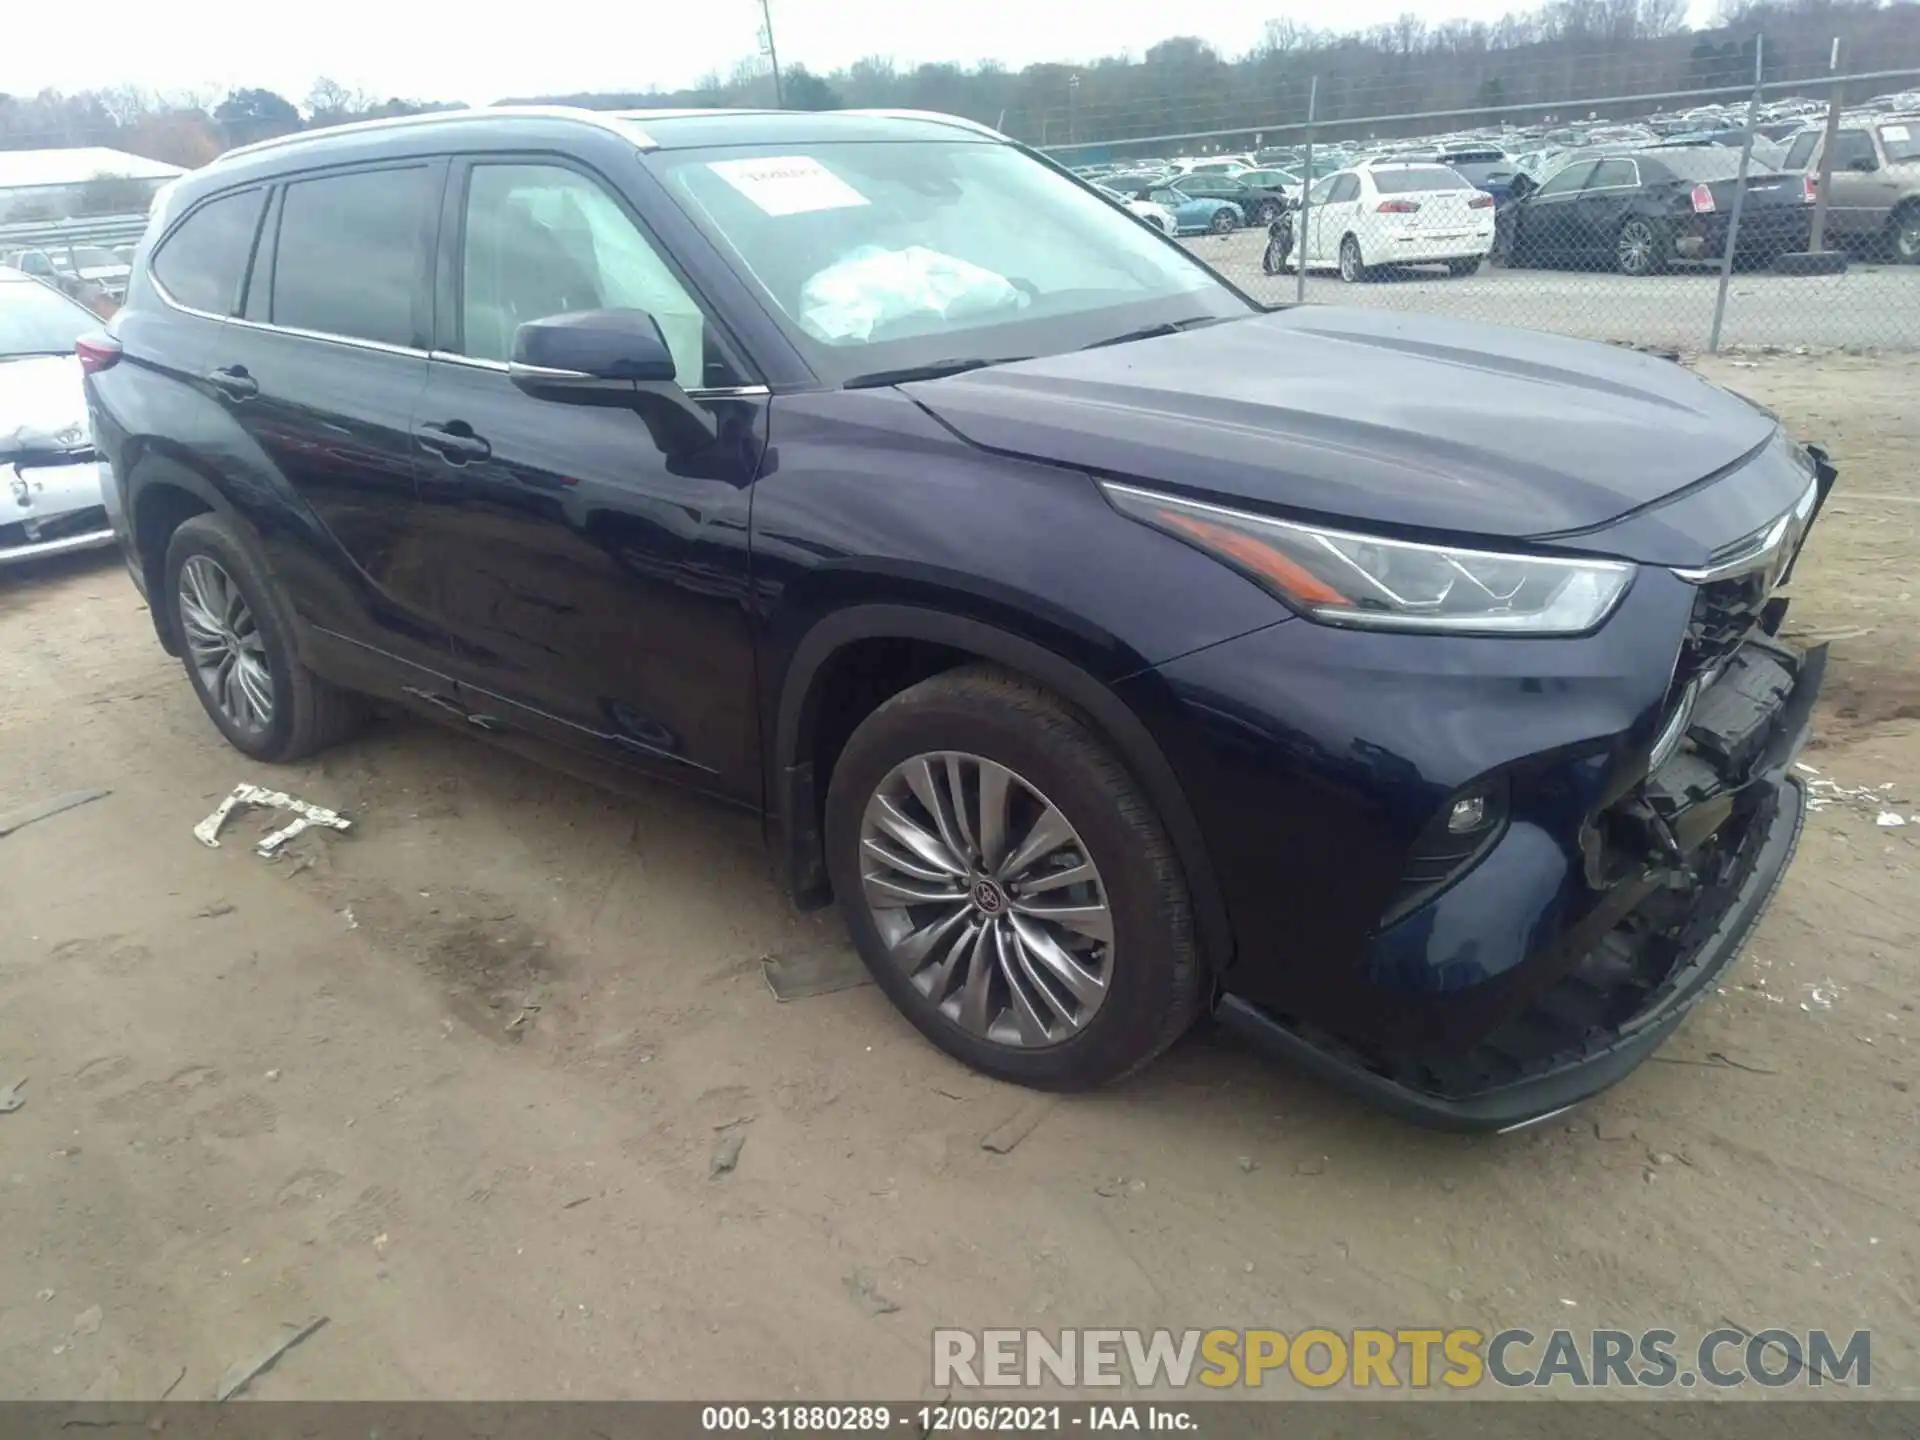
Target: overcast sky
(481,52)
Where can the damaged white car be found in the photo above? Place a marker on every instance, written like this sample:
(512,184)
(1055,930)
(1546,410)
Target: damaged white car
(50,496)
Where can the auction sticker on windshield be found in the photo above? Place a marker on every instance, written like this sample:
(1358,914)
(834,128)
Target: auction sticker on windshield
(788,184)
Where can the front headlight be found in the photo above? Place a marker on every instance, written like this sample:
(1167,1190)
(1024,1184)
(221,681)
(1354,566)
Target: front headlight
(1340,578)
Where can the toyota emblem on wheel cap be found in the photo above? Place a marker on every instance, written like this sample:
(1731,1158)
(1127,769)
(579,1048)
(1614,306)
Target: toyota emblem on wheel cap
(987,896)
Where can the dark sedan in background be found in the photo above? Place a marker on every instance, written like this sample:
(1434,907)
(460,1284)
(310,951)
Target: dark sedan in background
(1640,212)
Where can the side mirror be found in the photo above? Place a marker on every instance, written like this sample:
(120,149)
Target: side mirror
(590,357)
(1865,163)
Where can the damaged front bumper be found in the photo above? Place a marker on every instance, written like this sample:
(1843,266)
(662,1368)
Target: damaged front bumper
(1683,865)
(51,504)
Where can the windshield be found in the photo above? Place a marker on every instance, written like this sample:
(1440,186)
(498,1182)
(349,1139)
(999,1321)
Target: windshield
(37,321)
(895,254)
(1901,142)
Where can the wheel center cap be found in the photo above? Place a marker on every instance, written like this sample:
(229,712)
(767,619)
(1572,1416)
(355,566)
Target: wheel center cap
(988,898)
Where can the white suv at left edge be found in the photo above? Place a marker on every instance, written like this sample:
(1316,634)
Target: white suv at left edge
(50,495)
(1389,213)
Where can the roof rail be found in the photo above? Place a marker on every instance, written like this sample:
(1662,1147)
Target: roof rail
(938,117)
(603,118)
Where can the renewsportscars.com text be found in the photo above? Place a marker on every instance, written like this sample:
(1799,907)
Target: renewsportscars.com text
(1378,1359)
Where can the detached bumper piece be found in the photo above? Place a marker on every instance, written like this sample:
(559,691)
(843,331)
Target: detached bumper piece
(51,504)
(1686,864)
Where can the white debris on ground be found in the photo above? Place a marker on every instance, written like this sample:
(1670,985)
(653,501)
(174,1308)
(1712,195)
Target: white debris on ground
(207,832)
(1874,800)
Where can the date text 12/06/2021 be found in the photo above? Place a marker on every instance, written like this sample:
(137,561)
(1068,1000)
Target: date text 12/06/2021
(945,1418)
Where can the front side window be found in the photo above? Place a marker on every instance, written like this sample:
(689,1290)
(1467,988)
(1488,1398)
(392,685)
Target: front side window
(1855,146)
(545,240)
(200,263)
(891,254)
(1568,178)
(349,257)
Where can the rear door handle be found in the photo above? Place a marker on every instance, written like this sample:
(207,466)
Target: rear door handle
(234,382)
(456,447)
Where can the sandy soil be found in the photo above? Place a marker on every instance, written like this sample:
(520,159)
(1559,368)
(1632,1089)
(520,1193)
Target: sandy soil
(455,1080)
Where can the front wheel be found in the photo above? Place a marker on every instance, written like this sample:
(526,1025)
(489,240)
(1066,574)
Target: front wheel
(235,633)
(1009,885)
(1269,211)
(1273,259)
(1353,268)
(1639,248)
(1224,221)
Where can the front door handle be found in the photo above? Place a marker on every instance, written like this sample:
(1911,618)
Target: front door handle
(234,382)
(454,442)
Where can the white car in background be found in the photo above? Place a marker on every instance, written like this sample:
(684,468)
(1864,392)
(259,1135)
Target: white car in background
(1157,216)
(1386,213)
(50,495)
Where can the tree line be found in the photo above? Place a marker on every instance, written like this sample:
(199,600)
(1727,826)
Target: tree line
(1566,51)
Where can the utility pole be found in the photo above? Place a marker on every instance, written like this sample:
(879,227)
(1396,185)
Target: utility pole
(1823,185)
(773,55)
(1073,108)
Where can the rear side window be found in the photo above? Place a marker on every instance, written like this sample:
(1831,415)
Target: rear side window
(349,257)
(1347,187)
(201,263)
(1854,145)
(1417,177)
(1609,174)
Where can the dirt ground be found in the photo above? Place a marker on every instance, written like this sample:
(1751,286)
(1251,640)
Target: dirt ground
(455,1080)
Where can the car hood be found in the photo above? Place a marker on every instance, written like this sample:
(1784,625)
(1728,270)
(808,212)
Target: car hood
(41,400)
(1400,421)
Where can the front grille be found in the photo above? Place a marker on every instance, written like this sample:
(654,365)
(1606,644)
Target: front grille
(1725,613)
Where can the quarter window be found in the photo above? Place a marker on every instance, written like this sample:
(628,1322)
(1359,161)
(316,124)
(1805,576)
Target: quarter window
(201,263)
(348,260)
(545,240)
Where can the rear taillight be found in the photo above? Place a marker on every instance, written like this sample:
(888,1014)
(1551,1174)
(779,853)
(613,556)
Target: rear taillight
(1482,201)
(1809,190)
(1397,207)
(97,352)
(1702,200)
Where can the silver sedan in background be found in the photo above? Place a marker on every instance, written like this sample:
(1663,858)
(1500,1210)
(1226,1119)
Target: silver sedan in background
(50,496)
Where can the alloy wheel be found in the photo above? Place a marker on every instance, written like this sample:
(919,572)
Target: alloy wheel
(1223,222)
(1635,248)
(224,644)
(1906,236)
(986,896)
(1351,268)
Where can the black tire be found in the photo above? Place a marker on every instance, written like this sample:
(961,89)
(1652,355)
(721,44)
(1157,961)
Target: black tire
(307,713)
(1353,268)
(1903,234)
(1156,984)
(1640,247)
(1225,220)
(1269,211)
(1273,260)
(1464,267)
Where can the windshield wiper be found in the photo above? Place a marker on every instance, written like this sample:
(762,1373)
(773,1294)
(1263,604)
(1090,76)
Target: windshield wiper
(933,370)
(1154,332)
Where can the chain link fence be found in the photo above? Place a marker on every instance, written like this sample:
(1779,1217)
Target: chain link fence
(1782,211)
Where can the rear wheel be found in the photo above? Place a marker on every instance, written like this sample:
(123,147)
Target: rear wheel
(1640,248)
(1353,267)
(1463,267)
(1225,221)
(1009,885)
(236,642)
(1905,234)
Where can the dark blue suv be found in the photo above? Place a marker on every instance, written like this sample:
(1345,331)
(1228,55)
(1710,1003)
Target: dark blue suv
(1113,649)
